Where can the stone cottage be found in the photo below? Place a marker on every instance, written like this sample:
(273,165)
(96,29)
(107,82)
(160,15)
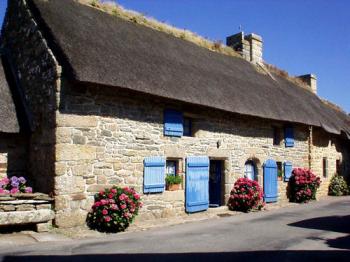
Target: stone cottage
(13,125)
(113,102)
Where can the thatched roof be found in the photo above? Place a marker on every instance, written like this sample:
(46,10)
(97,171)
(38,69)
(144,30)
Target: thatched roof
(97,47)
(8,116)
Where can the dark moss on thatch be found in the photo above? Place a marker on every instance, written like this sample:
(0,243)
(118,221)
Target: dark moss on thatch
(8,116)
(100,48)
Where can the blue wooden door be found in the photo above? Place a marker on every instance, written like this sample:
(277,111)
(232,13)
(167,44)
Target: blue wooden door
(197,184)
(270,181)
(215,184)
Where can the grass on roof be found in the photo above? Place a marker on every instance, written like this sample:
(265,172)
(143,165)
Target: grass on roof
(115,9)
(284,74)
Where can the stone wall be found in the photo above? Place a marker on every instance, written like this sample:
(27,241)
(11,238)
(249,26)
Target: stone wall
(26,209)
(13,155)
(103,138)
(333,149)
(38,72)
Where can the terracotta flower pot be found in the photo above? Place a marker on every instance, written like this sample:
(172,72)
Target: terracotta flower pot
(173,187)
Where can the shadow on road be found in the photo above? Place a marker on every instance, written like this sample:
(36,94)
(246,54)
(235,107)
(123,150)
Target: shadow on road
(255,256)
(340,224)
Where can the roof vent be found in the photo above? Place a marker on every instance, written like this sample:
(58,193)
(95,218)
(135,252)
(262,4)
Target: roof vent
(249,46)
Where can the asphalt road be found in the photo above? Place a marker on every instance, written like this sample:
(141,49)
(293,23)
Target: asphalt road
(318,231)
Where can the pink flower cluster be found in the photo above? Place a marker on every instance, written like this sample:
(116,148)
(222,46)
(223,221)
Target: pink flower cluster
(114,209)
(246,195)
(14,185)
(304,185)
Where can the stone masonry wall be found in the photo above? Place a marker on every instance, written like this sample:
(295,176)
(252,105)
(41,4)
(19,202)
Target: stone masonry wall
(103,138)
(38,72)
(326,146)
(3,165)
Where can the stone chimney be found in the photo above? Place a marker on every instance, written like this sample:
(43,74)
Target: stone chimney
(249,46)
(311,81)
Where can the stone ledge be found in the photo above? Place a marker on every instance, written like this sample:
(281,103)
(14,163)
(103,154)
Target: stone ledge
(33,196)
(26,217)
(20,202)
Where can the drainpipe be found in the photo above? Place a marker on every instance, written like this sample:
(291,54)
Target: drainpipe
(310,142)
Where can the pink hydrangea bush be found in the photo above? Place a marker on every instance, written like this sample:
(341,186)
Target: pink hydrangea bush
(303,185)
(14,185)
(246,195)
(114,209)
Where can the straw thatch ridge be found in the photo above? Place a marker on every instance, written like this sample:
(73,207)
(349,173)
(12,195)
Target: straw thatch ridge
(8,116)
(107,50)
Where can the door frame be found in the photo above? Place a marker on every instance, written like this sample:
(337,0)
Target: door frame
(220,194)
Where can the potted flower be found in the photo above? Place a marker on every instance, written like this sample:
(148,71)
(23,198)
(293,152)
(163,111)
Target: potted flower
(14,185)
(173,182)
(279,175)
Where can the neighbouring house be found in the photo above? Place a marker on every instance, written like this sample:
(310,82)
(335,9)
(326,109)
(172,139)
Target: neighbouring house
(114,102)
(13,125)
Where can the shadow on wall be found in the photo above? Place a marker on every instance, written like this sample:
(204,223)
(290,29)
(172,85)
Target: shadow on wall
(15,148)
(340,224)
(255,256)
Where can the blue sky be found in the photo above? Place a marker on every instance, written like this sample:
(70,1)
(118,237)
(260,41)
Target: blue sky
(300,36)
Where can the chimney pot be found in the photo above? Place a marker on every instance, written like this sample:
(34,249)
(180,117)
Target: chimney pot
(249,46)
(311,81)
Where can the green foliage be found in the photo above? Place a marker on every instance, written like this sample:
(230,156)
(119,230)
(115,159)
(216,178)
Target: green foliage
(173,180)
(338,186)
(114,209)
(279,173)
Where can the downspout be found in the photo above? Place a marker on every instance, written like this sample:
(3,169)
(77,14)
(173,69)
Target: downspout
(310,142)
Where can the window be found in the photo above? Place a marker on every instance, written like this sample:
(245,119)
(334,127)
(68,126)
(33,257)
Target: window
(250,170)
(325,167)
(338,167)
(279,170)
(289,136)
(171,167)
(154,174)
(276,136)
(288,169)
(187,126)
(173,123)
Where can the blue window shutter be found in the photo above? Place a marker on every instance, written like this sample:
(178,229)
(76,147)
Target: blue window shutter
(154,174)
(270,181)
(289,136)
(197,183)
(173,123)
(288,168)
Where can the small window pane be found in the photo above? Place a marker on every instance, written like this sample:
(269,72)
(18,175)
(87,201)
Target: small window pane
(171,167)
(325,167)
(276,136)
(338,167)
(187,126)
(279,170)
(249,171)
